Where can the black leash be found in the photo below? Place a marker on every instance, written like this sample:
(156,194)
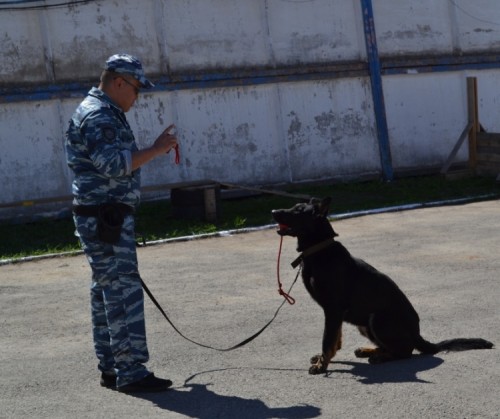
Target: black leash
(239,345)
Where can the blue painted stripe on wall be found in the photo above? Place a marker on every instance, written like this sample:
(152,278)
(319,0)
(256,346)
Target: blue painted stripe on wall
(258,77)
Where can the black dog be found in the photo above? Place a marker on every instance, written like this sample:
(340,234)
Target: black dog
(349,289)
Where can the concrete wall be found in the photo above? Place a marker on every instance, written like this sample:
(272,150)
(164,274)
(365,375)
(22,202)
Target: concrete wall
(261,91)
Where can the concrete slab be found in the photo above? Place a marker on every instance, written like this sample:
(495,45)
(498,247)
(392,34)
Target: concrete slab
(219,291)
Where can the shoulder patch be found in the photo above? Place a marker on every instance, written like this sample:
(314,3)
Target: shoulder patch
(108,133)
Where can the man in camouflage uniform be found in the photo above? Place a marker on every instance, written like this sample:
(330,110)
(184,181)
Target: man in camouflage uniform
(102,153)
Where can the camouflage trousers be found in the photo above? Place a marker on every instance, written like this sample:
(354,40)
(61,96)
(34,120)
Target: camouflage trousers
(117,301)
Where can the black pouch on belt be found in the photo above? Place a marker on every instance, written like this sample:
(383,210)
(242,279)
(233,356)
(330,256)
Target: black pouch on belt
(109,223)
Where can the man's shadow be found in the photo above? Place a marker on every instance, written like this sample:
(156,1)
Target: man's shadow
(197,401)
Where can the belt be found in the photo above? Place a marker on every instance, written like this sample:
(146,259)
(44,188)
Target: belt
(93,210)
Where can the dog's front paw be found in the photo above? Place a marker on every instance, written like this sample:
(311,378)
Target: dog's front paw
(317,369)
(315,359)
(318,364)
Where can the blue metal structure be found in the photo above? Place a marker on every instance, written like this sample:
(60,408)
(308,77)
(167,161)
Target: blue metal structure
(377,89)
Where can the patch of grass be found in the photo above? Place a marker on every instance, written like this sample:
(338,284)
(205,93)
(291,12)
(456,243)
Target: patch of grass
(154,219)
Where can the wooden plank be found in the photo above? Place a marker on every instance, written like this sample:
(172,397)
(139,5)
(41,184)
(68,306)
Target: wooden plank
(495,136)
(490,164)
(487,157)
(472,111)
(488,149)
(187,184)
(488,170)
(488,139)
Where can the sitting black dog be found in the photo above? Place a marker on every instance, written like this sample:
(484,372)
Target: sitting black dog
(349,289)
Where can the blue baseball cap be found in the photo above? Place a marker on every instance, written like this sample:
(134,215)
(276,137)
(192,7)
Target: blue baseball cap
(128,64)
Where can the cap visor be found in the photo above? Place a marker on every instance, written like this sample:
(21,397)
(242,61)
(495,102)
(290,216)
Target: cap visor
(146,84)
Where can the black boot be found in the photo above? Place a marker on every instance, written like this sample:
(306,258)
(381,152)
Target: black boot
(149,384)
(108,381)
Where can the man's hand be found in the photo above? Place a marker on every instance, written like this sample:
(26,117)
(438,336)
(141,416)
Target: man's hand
(167,140)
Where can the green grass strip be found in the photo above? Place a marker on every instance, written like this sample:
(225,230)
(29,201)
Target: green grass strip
(155,222)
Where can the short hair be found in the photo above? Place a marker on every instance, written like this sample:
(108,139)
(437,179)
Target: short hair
(107,77)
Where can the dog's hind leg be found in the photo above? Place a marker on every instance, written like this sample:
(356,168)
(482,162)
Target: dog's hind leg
(366,352)
(339,341)
(392,337)
(332,341)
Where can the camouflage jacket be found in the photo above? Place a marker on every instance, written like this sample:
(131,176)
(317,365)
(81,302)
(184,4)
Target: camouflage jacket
(99,145)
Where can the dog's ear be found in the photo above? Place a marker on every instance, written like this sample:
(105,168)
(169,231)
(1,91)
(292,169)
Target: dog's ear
(324,206)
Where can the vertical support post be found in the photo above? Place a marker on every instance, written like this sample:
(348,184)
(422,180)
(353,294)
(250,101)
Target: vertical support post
(210,202)
(473,116)
(377,89)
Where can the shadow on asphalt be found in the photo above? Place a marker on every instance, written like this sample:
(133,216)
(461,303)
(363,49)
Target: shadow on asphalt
(198,401)
(202,403)
(403,371)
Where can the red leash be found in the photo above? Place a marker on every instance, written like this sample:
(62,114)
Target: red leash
(177,154)
(176,147)
(286,296)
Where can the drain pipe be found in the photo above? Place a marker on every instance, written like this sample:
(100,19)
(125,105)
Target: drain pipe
(377,89)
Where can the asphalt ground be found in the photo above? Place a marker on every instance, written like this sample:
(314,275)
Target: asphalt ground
(221,290)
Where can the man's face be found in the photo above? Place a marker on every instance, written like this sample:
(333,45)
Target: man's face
(127,89)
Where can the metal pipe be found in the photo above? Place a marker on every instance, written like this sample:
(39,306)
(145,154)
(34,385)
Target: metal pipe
(377,89)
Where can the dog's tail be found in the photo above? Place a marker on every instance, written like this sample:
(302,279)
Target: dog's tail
(453,345)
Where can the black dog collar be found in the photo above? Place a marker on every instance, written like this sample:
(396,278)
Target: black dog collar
(313,249)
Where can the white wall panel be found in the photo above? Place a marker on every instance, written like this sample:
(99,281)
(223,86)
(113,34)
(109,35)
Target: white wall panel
(231,135)
(330,128)
(413,27)
(32,162)
(425,126)
(215,34)
(488,86)
(477,25)
(83,37)
(21,48)
(315,32)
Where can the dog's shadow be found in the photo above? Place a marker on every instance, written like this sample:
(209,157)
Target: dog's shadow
(198,401)
(402,371)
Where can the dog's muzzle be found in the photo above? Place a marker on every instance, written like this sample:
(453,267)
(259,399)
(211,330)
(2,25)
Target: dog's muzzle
(284,230)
